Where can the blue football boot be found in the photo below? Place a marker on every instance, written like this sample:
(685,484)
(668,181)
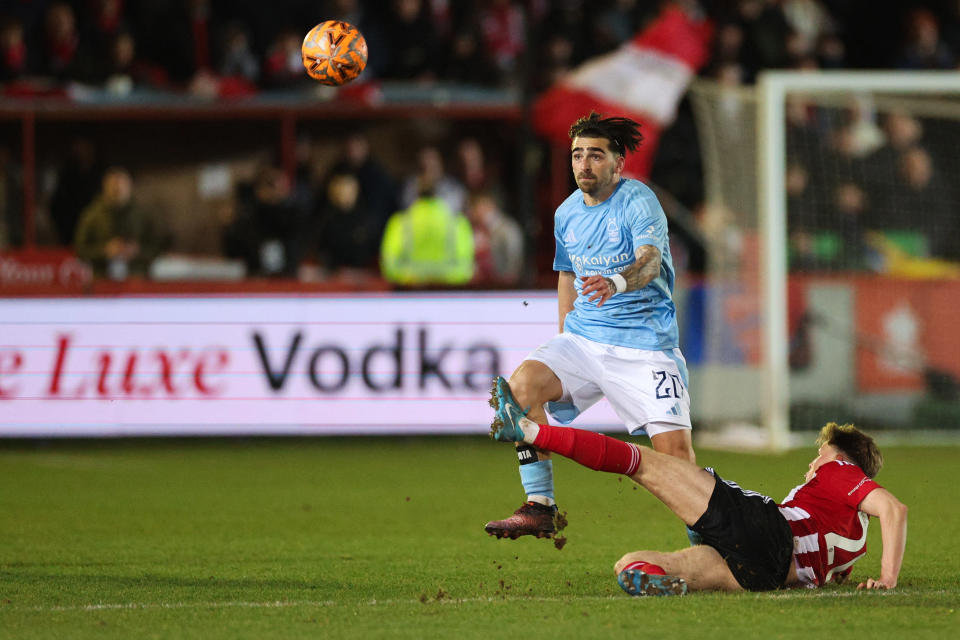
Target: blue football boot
(640,583)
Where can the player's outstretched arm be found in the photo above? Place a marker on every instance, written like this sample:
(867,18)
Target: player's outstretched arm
(892,513)
(638,275)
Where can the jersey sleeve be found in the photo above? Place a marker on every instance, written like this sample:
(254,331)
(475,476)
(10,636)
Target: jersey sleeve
(847,482)
(561,260)
(648,223)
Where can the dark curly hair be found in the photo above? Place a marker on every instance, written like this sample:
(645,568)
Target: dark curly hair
(622,133)
(858,447)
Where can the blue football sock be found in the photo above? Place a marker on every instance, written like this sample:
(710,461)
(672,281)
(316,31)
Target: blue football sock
(694,537)
(537,478)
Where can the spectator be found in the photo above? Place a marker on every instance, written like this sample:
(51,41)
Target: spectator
(344,233)
(845,157)
(78,182)
(237,58)
(925,204)
(467,61)
(922,48)
(114,235)
(497,241)
(427,244)
(503,30)
(119,72)
(103,23)
(283,65)
(376,186)
(901,132)
(472,169)
(60,55)
(412,44)
(727,45)
(852,216)
(431,171)
(122,71)
(265,230)
(13,50)
(831,52)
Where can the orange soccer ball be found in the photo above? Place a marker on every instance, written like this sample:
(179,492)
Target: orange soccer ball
(334,52)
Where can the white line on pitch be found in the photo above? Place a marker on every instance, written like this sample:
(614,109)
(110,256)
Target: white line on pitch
(306,603)
(798,594)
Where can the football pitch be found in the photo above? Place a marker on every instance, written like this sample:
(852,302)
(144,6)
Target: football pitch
(351,538)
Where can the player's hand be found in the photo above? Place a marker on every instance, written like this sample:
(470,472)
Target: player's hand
(597,289)
(877,584)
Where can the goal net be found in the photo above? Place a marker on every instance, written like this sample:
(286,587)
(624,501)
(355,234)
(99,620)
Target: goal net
(832,227)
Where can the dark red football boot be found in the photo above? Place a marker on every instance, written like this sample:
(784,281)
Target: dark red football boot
(531,519)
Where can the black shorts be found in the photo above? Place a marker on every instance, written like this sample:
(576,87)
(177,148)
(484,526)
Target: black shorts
(751,534)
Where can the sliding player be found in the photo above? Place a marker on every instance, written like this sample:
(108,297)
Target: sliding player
(749,542)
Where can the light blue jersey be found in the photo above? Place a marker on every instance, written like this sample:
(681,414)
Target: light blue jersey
(601,239)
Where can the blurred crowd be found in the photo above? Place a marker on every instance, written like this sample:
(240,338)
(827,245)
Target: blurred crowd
(865,180)
(753,35)
(435,226)
(862,183)
(349,218)
(242,46)
(852,170)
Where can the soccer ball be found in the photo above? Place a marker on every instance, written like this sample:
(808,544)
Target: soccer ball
(334,52)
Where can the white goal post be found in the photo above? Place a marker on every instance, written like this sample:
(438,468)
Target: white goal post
(772,91)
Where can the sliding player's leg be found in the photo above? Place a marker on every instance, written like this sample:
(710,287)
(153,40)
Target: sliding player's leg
(674,440)
(681,485)
(655,573)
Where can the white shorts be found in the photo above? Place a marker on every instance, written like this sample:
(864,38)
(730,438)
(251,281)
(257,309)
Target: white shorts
(647,389)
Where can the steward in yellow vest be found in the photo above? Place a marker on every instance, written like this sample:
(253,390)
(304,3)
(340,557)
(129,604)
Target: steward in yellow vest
(427,244)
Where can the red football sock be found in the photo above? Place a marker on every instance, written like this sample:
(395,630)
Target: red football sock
(646,567)
(594,450)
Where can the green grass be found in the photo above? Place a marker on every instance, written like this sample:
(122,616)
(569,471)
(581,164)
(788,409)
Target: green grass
(383,538)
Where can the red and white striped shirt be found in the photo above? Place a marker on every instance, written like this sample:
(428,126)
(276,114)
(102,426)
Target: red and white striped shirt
(829,531)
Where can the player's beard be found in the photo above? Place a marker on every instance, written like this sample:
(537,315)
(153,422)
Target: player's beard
(598,184)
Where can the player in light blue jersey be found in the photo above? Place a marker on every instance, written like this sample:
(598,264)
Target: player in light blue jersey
(618,328)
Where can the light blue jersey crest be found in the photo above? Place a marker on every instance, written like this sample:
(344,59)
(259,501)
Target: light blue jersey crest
(601,239)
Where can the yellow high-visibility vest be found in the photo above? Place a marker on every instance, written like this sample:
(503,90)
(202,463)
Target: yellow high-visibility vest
(427,244)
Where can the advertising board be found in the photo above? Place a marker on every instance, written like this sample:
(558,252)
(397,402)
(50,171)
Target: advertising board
(324,365)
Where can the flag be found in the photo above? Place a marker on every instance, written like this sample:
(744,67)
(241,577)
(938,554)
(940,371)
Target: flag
(643,80)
